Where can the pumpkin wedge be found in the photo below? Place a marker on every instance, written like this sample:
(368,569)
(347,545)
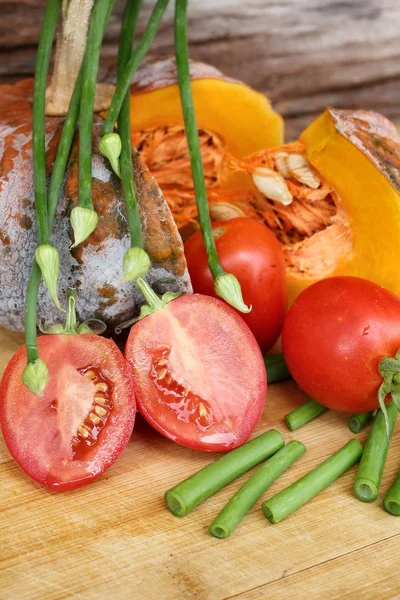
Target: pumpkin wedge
(332,198)
(232,119)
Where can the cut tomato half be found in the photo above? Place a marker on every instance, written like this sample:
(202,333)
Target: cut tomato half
(77,429)
(198,373)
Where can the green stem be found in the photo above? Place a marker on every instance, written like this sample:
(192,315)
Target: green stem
(357,422)
(301,491)
(100,14)
(39,169)
(56,180)
(231,515)
(128,28)
(304,414)
(30,313)
(64,148)
(132,66)
(182,64)
(153,301)
(277,369)
(38,117)
(71,322)
(182,498)
(391,502)
(370,470)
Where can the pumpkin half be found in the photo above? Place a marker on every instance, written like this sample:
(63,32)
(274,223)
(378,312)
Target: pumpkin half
(332,198)
(95,267)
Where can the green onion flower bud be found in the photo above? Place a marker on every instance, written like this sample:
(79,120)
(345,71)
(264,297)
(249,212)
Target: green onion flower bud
(135,264)
(48,260)
(35,376)
(84,222)
(227,287)
(110,146)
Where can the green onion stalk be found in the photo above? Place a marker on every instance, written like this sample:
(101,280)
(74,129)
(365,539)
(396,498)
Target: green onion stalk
(304,414)
(391,502)
(56,180)
(226,285)
(304,489)
(358,421)
(231,515)
(84,218)
(35,374)
(182,498)
(277,369)
(124,79)
(136,261)
(370,469)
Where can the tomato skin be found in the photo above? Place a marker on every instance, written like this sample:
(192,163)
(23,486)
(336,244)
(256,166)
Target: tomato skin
(200,347)
(334,336)
(38,431)
(252,253)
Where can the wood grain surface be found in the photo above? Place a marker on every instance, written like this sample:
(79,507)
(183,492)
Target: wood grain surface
(115,539)
(305,54)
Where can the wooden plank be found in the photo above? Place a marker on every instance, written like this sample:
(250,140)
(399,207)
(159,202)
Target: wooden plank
(115,538)
(341,578)
(305,54)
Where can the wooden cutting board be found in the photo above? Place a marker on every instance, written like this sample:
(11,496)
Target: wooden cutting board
(115,539)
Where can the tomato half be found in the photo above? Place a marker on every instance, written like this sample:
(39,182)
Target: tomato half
(252,253)
(334,336)
(198,373)
(83,421)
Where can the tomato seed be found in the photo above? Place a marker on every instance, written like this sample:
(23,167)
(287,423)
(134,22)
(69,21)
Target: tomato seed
(94,418)
(83,431)
(100,400)
(162,374)
(101,386)
(100,411)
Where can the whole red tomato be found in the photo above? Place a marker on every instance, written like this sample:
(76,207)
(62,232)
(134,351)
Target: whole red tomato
(334,337)
(252,253)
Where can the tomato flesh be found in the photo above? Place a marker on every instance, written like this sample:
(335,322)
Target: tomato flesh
(251,252)
(83,421)
(198,373)
(334,336)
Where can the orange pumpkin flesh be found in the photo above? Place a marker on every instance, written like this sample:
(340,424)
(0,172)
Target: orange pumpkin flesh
(232,118)
(349,224)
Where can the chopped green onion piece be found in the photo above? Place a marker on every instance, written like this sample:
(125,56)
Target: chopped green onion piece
(182,498)
(391,502)
(304,414)
(231,515)
(277,369)
(358,421)
(301,491)
(370,470)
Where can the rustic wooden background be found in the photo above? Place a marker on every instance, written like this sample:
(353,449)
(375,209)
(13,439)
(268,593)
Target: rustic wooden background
(305,54)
